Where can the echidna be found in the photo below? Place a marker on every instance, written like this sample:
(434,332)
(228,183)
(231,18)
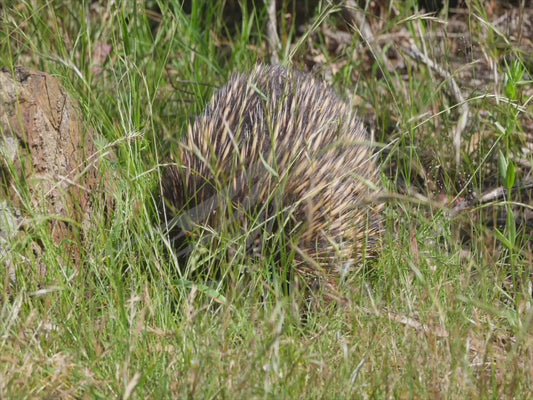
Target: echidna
(278,142)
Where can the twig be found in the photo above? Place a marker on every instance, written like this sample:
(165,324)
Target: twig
(272,32)
(438,331)
(489,196)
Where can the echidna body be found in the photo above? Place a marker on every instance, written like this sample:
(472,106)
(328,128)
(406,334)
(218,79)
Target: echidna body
(276,142)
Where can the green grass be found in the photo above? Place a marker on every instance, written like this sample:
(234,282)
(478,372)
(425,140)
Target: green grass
(444,312)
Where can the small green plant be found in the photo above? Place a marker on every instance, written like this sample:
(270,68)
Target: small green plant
(509,236)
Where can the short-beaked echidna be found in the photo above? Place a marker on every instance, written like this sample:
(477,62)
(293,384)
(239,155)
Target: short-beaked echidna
(278,142)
